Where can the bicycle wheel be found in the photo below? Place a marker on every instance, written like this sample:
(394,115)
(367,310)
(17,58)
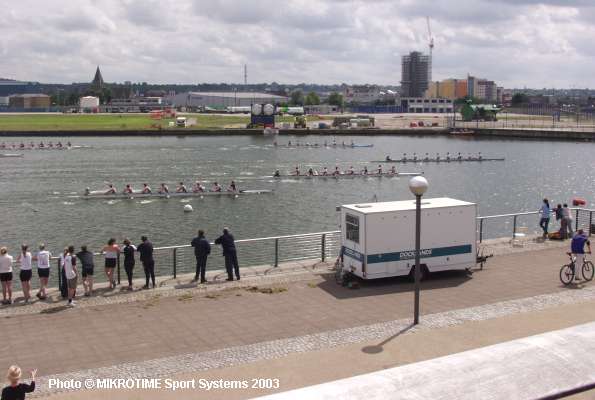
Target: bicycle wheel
(566,274)
(588,270)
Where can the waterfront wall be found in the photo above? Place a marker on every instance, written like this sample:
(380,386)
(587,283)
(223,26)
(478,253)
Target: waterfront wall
(548,134)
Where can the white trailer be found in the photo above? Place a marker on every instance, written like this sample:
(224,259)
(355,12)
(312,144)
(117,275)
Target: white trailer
(378,239)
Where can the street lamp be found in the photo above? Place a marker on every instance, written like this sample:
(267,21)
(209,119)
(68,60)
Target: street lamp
(418,186)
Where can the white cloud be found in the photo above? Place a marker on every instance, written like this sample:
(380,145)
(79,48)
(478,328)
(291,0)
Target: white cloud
(515,42)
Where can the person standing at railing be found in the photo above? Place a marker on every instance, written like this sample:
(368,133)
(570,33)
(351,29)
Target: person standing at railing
(25,259)
(146,257)
(63,283)
(6,275)
(71,273)
(227,243)
(43,270)
(87,266)
(545,216)
(129,262)
(202,249)
(567,221)
(111,251)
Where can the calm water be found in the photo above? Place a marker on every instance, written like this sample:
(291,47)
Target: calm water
(38,199)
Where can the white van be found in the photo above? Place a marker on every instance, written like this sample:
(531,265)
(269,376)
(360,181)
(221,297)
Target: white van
(378,239)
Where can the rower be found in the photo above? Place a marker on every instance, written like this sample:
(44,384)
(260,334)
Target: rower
(379,170)
(479,156)
(41,145)
(59,145)
(427,158)
(32,145)
(325,171)
(365,171)
(289,144)
(181,188)
(352,143)
(22,145)
(277,174)
(310,172)
(296,172)
(51,145)
(388,158)
(146,189)
(325,144)
(459,157)
(232,187)
(343,143)
(437,157)
(69,144)
(414,157)
(111,189)
(336,172)
(393,170)
(447,156)
(87,191)
(351,171)
(128,189)
(197,187)
(275,143)
(216,187)
(404,159)
(2,145)
(163,189)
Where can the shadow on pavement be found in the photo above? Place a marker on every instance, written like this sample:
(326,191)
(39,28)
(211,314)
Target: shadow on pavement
(379,348)
(401,284)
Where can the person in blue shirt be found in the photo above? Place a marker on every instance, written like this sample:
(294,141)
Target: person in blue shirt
(545,216)
(577,248)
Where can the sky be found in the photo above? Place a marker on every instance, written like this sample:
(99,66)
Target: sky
(517,43)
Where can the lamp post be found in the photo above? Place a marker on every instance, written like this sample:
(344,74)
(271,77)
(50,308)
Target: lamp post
(418,186)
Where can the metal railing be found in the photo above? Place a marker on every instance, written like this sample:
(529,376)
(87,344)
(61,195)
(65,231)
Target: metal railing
(582,218)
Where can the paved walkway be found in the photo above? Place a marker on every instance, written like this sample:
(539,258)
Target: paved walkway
(202,329)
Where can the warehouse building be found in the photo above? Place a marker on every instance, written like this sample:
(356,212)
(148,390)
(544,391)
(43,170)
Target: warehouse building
(39,102)
(426,105)
(221,100)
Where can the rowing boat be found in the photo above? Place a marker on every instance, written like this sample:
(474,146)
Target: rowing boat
(7,155)
(322,146)
(342,176)
(28,148)
(127,196)
(438,160)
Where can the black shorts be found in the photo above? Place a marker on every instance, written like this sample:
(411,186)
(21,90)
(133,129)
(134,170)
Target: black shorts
(25,275)
(5,276)
(111,262)
(87,271)
(43,272)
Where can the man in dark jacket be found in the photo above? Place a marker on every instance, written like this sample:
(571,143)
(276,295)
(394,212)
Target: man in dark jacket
(202,249)
(146,257)
(229,252)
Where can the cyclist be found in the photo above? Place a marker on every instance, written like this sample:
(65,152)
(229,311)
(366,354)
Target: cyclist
(577,247)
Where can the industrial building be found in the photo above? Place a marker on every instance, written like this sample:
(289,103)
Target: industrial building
(426,105)
(415,72)
(448,89)
(9,87)
(134,104)
(30,102)
(482,89)
(221,100)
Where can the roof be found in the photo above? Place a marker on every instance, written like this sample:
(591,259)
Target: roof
(485,107)
(30,95)
(238,95)
(371,208)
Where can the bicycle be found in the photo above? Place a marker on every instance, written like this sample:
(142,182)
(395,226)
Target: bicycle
(567,272)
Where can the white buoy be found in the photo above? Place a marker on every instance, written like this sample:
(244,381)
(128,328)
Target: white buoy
(188,208)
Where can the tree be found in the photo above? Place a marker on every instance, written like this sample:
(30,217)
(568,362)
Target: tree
(297,98)
(519,98)
(312,99)
(335,99)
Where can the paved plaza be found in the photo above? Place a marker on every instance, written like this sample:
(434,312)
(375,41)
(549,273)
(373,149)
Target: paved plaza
(183,329)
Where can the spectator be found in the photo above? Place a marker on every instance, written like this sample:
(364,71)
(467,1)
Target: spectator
(43,270)
(146,257)
(111,251)
(128,251)
(577,247)
(25,259)
(71,274)
(88,267)
(16,390)
(6,275)
(202,249)
(567,221)
(63,281)
(545,216)
(227,243)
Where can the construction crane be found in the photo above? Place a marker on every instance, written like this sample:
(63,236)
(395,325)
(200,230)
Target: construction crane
(431,47)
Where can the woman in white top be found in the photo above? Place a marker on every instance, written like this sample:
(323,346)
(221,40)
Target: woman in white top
(43,270)
(111,251)
(6,275)
(25,258)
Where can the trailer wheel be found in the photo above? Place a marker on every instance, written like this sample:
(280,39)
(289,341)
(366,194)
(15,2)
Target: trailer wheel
(425,273)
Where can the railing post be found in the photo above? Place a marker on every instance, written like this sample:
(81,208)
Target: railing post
(276,262)
(576,220)
(590,223)
(323,247)
(118,269)
(175,262)
(514,227)
(480,230)
(59,276)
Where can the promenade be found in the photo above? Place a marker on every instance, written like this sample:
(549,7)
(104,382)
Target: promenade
(294,324)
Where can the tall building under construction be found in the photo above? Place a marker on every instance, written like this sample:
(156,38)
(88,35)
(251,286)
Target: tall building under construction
(415,72)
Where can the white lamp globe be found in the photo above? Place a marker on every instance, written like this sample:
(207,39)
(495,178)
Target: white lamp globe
(418,185)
